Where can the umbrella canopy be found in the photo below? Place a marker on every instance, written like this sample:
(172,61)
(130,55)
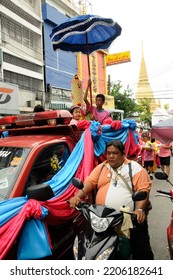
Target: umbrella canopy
(163,131)
(85,33)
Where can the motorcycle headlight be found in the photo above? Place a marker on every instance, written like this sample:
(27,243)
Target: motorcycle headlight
(99,224)
(105,254)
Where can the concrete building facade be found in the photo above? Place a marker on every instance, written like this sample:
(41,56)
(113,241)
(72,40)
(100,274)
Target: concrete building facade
(21,52)
(60,66)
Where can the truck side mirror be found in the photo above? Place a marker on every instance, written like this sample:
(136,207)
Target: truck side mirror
(40,192)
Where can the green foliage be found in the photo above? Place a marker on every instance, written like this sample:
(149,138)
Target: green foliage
(123,100)
(166,106)
(146,112)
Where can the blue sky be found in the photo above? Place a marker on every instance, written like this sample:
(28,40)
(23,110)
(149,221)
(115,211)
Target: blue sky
(150,22)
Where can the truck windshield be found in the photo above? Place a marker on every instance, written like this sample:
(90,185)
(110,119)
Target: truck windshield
(11,162)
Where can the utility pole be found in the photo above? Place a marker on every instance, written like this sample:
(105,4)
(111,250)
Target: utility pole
(109,84)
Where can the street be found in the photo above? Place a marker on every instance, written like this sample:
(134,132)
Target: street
(159,217)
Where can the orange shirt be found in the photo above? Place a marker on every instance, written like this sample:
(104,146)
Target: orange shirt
(112,191)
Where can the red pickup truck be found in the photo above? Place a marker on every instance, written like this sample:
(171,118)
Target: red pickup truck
(35,149)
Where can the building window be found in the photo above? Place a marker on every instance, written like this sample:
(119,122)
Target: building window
(21,63)
(18,32)
(21,12)
(24,82)
(30,2)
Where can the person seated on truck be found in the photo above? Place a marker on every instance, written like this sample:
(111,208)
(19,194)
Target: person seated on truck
(97,113)
(115,184)
(76,112)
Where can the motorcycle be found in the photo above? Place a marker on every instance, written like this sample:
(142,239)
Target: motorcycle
(99,238)
(164,176)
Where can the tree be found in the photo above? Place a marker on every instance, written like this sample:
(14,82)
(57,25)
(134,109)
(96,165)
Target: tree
(123,100)
(166,106)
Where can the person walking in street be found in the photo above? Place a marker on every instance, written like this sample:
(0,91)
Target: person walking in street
(156,151)
(148,154)
(165,157)
(114,187)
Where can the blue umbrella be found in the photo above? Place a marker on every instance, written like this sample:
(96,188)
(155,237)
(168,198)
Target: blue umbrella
(86,34)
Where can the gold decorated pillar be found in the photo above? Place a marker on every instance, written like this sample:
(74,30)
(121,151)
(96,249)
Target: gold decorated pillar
(77,91)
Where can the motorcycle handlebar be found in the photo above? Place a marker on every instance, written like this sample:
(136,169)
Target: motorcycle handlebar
(133,215)
(163,192)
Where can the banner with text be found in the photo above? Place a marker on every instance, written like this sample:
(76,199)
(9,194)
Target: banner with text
(117,58)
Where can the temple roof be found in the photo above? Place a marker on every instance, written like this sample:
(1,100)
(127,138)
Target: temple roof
(144,89)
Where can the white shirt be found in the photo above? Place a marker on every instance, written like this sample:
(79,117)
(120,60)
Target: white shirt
(118,194)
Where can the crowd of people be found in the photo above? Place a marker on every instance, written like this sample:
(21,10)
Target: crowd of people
(154,153)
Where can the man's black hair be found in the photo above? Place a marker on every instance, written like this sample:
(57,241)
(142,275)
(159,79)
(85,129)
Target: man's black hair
(38,108)
(117,144)
(100,95)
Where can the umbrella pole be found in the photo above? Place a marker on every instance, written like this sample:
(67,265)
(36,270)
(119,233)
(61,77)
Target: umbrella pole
(89,72)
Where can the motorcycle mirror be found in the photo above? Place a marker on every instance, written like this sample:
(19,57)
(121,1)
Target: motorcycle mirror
(77,183)
(137,196)
(161,175)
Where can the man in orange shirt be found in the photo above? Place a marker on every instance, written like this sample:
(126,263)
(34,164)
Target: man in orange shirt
(114,189)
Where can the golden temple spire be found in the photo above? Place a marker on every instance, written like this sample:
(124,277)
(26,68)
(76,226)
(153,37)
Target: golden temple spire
(143,88)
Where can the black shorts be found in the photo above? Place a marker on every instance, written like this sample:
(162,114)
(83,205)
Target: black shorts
(149,163)
(165,160)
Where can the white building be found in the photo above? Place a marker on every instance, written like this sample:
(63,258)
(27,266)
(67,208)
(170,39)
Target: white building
(159,115)
(22,51)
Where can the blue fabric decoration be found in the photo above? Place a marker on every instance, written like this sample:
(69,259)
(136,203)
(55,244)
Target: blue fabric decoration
(33,242)
(4,134)
(99,143)
(11,207)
